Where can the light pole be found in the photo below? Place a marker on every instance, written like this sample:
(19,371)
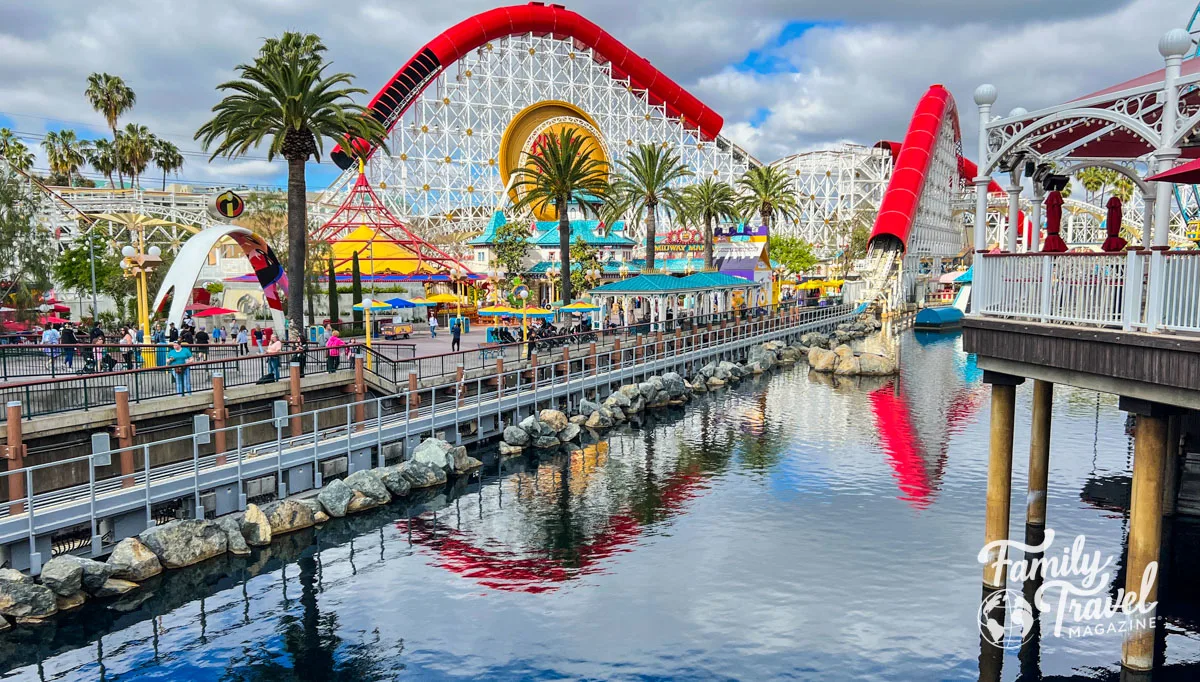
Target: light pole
(138,266)
(367,304)
(524,294)
(456,276)
(92,262)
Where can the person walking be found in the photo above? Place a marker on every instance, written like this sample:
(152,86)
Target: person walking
(202,341)
(50,338)
(334,344)
(455,335)
(172,334)
(433,325)
(273,358)
(97,332)
(178,359)
(159,339)
(243,341)
(257,334)
(127,348)
(69,341)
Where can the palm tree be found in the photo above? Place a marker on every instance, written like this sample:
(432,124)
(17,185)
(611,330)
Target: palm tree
(285,96)
(135,150)
(649,178)
(564,172)
(111,97)
(711,200)
(768,191)
(14,150)
(102,155)
(1092,180)
(167,158)
(65,153)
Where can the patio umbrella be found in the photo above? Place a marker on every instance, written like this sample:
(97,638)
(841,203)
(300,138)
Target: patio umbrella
(422,302)
(532,312)
(1112,226)
(497,310)
(400,303)
(579,307)
(444,298)
(1187,174)
(213,311)
(1054,243)
(60,308)
(375,305)
(54,319)
(196,307)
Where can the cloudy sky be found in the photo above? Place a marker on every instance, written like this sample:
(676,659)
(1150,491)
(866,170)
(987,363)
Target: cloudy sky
(787,75)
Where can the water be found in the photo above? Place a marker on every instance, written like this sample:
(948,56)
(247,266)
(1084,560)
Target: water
(789,528)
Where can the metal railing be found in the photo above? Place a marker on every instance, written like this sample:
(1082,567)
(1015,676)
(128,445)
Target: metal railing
(24,360)
(1137,290)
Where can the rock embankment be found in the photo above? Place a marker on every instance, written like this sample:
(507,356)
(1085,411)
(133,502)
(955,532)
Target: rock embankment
(832,354)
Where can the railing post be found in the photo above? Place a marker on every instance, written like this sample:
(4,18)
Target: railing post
(295,399)
(591,361)
(499,378)
(1154,300)
(14,452)
(1131,306)
(219,414)
(620,356)
(414,396)
(360,389)
(124,431)
(1046,286)
(566,361)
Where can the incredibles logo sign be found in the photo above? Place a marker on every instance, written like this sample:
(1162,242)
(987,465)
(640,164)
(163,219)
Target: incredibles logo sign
(229,205)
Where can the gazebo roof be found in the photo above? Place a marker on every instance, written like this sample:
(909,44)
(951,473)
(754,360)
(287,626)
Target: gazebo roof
(666,284)
(716,280)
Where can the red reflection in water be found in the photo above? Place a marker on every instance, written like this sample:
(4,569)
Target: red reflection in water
(899,440)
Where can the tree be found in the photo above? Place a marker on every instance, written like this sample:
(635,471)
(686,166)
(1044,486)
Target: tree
(167,158)
(793,253)
(286,98)
(333,292)
(767,191)
(14,151)
(562,172)
(73,270)
(27,252)
(512,245)
(649,178)
(111,97)
(584,257)
(356,292)
(1092,180)
(135,150)
(319,251)
(64,151)
(102,155)
(711,200)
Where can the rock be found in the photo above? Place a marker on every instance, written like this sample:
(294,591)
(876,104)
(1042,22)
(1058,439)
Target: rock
(587,407)
(63,576)
(699,387)
(433,451)
(546,442)
(183,543)
(313,504)
(362,502)
(368,484)
(132,603)
(256,528)
(131,560)
(335,497)
(714,382)
(708,370)
(115,587)
(421,475)
(598,420)
(26,600)
(821,360)
(570,433)
(507,450)
(630,391)
(617,399)
(94,572)
(636,405)
(876,365)
(11,574)
(579,419)
(555,419)
(674,385)
(534,427)
(847,366)
(320,517)
(286,516)
(235,542)
(614,413)
(462,462)
(515,435)
(391,479)
(70,602)
(647,390)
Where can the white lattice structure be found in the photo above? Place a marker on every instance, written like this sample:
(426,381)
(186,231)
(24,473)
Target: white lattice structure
(834,185)
(441,172)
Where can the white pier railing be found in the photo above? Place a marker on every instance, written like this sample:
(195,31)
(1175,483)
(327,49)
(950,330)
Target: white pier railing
(1138,290)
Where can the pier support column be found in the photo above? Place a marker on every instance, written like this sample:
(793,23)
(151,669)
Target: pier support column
(1171,466)
(295,399)
(219,415)
(999,488)
(14,452)
(124,431)
(566,361)
(1039,453)
(360,389)
(1145,527)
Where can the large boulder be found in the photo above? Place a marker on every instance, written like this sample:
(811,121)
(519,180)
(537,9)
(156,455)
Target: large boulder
(368,484)
(515,435)
(598,420)
(570,433)
(535,427)
(546,442)
(586,408)
(286,516)
(183,543)
(361,502)
(94,572)
(422,475)
(635,405)
(11,574)
(630,391)
(235,541)
(335,497)
(647,390)
(555,419)
(115,587)
(617,399)
(26,600)
(131,560)
(393,480)
(67,603)
(821,360)
(699,385)
(847,365)
(715,382)
(876,365)
(507,450)
(434,451)
(62,576)
(461,462)
(674,385)
(256,528)
(708,370)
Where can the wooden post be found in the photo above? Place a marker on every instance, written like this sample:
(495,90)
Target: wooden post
(658,338)
(14,451)
(1145,528)
(499,377)
(1039,452)
(591,361)
(414,395)
(533,370)
(1171,466)
(124,431)
(999,488)
(295,399)
(620,355)
(566,361)
(639,350)
(678,340)
(219,414)
(360,389)
(459,373)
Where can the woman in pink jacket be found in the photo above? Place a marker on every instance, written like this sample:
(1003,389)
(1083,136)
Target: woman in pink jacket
(335,344)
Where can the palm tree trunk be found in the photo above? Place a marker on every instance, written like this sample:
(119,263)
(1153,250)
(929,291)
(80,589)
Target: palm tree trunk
(117,153)
(164,185)
(650,234)
(297,222)
(708,242)
(564,249)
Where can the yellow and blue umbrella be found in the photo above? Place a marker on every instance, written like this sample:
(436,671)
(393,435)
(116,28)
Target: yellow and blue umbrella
(375,305)
(498,311)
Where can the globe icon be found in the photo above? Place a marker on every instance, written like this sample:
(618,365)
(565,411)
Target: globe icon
(992,622)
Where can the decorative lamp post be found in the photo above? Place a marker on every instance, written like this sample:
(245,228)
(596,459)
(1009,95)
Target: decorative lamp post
(623,271)
(367,304)
(456,276)
(138,266)
(524,294)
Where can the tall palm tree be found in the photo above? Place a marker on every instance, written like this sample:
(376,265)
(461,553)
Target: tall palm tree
(167,158)
(111,97)
(135,150)
(648,179)
(65,153)
(286,97)
(102,155)
(767,191)
(711,200)
(564,172)
(1092,180)
(14,150)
